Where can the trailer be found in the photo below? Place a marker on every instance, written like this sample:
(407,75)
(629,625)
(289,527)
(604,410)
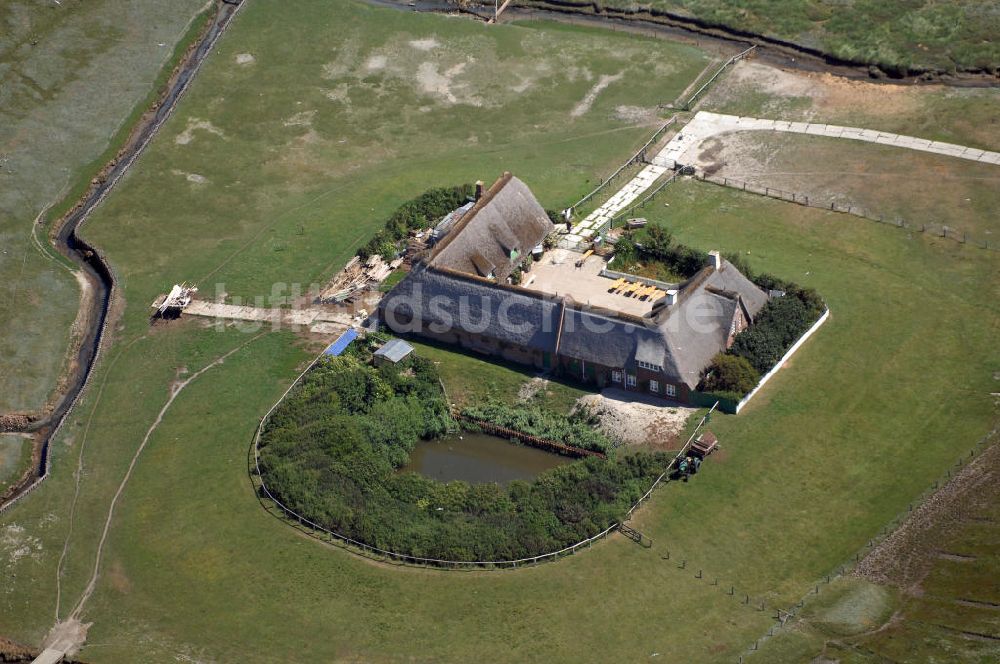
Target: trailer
(704,445)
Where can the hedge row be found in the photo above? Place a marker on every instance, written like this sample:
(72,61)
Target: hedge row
(420,212)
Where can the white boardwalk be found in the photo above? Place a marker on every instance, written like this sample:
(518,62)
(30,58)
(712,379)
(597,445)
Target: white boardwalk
(705,125)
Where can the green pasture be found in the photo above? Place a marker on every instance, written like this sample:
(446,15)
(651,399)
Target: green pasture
(290,160)
(471,378)
(15,457)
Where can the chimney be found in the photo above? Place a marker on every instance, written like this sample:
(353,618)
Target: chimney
(715,260)
(671,297)
(479,189)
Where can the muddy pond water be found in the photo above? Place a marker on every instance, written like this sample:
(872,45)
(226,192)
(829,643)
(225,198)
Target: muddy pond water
(479,458)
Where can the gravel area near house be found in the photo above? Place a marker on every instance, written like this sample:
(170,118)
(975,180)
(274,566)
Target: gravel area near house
(634,420)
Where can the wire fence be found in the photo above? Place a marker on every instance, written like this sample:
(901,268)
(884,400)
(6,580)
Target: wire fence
(938,230)
(275,507)
(686,105)
(781,616)
(638,157)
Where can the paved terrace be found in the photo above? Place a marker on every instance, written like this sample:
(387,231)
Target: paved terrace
(557,274)
(705,125)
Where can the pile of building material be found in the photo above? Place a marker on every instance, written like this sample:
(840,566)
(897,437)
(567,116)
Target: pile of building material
(173,303)
(356,277)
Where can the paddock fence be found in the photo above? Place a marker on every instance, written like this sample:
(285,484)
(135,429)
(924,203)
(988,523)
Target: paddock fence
(273,506)
(638,157)
(938,230)
(686,105)
(900,520)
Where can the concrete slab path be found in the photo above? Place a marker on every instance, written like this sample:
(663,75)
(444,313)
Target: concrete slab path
(705,125)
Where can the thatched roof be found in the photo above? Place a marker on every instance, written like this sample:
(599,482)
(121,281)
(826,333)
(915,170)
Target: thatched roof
(450,290)
(682,339)
(506,220)
(442,300)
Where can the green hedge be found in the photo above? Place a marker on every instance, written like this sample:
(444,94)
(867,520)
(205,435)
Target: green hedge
(331,450)
(420,212)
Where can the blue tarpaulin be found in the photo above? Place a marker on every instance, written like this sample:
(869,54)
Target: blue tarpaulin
(342,342)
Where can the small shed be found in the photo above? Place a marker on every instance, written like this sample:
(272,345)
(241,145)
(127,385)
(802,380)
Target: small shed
(392,352)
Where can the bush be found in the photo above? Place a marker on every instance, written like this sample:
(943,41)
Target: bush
(654,243)
(576,430)
(729,374)
(777,326)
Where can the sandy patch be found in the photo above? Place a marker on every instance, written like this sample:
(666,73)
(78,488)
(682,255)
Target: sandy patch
(637,422)
(528,391)
(588,100)
(636,114)
(821,92)
(375,63)
(341,94)
(245,59)
(67,636)
(16,544)
(442,85)
(193,178)
(428,44)
(196,124)
(301,119)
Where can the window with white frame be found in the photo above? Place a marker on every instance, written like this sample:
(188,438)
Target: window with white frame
(670,390)
(654,386)
(630,380)
(651,367)
(616,376)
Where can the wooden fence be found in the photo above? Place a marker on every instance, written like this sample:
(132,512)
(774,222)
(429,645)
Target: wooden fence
(939,230)
(639,156)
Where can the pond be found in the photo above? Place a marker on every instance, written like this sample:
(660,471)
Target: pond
(479,458)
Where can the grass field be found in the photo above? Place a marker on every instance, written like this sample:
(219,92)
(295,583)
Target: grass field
(891,390)
(882,179)
(15,457)
(470,378)
(894,34)
(54,132)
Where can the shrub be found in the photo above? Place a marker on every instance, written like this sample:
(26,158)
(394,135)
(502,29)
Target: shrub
(729,374)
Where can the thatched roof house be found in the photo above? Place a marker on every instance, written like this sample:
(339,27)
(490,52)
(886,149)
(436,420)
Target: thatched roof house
(503,225)
(459,294)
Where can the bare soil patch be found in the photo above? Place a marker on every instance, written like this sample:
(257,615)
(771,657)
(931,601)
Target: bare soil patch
(588,100)
(635,421)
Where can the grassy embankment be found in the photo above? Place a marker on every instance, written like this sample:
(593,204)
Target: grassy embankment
(54,135)
(896,35)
